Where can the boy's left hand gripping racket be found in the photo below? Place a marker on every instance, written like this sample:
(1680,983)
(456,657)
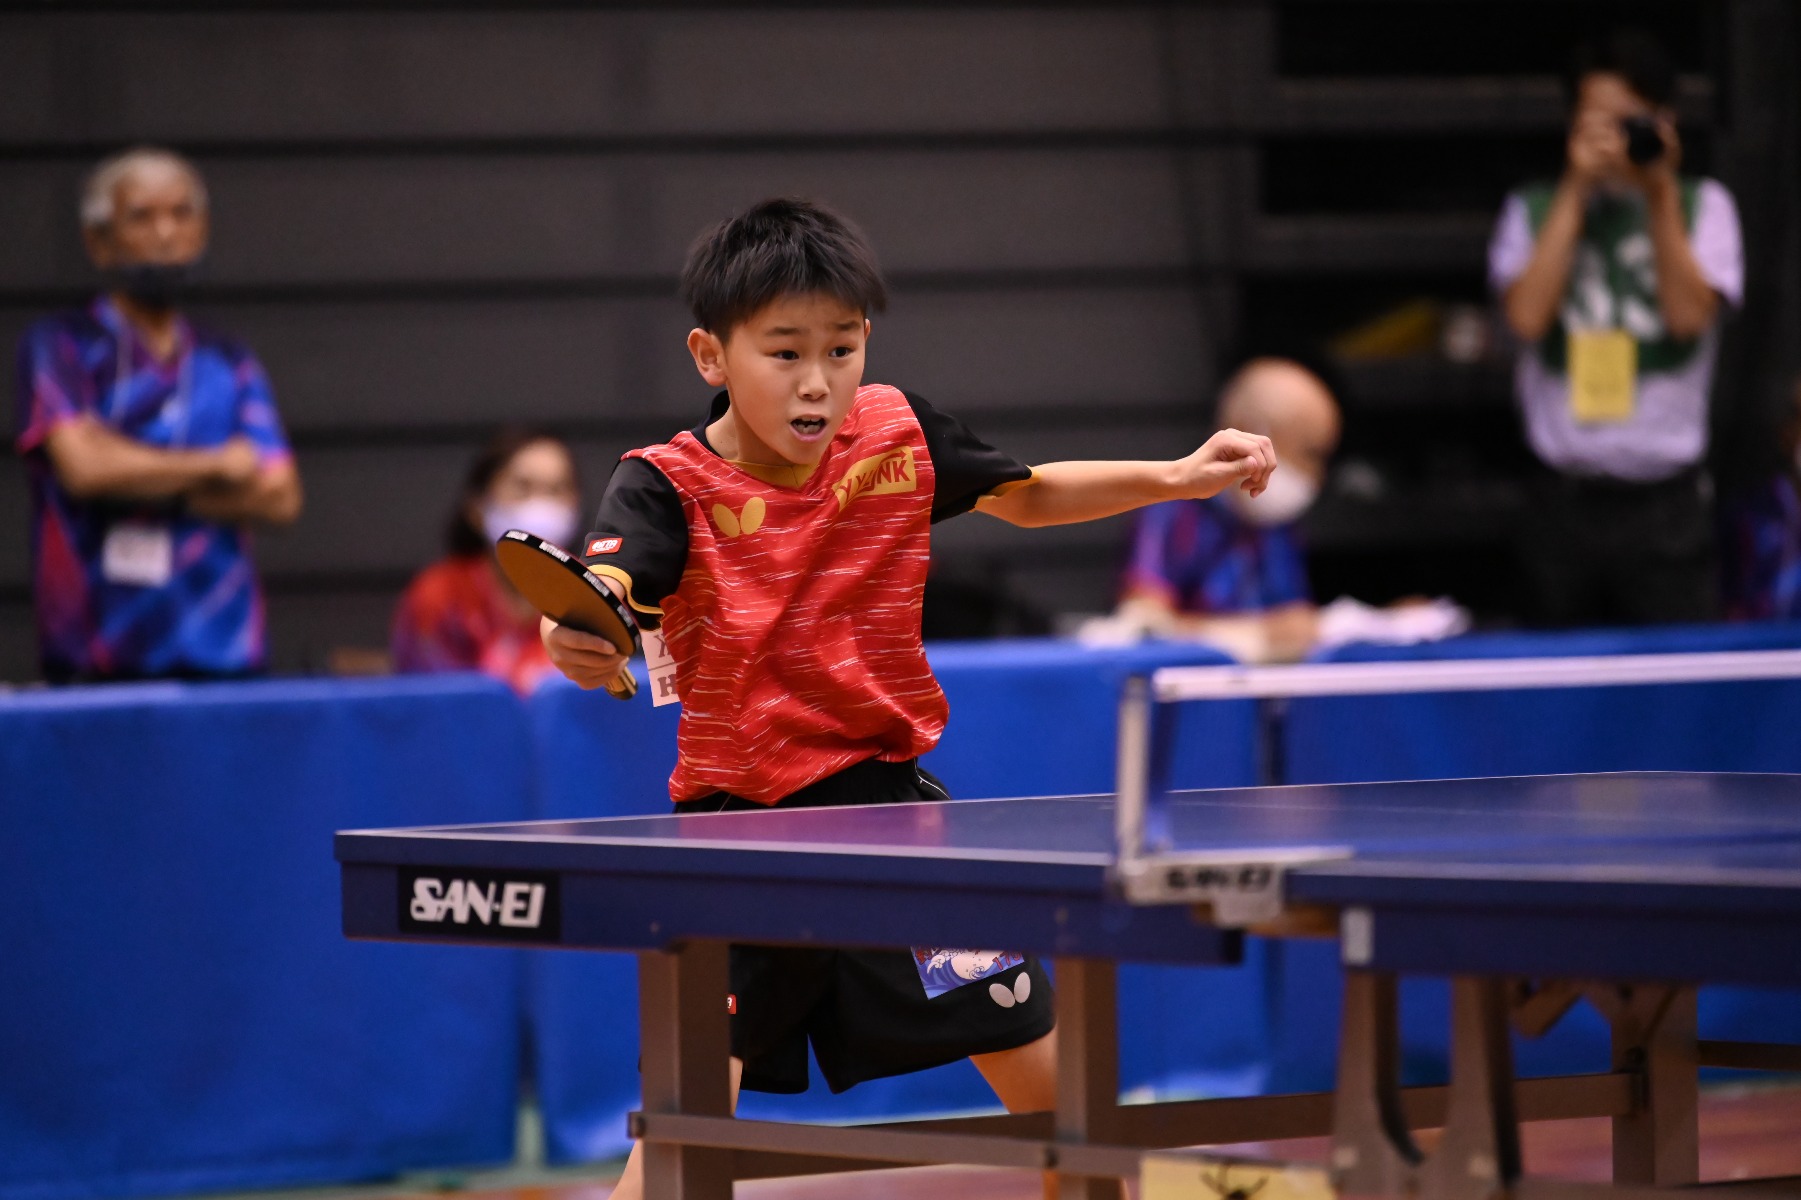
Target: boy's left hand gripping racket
(560,587)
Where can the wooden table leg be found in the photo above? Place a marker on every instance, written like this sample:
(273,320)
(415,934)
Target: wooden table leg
(1373,1153)
(1658,1143)
(685,1038)
(1479,1154)
(1087,1065)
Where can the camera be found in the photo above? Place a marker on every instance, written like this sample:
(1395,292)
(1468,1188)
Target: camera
(1644,144)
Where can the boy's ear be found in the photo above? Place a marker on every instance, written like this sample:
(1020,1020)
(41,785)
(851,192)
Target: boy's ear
(709,356)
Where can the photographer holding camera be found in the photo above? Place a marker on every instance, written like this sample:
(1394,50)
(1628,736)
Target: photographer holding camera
(1612,278)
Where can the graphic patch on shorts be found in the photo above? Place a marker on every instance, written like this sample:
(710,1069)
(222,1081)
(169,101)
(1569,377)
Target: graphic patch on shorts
(942,970)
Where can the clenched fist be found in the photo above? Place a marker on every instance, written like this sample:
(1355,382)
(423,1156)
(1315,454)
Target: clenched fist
(1229,458)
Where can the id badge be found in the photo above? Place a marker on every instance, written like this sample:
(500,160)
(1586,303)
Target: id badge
(1603,365)
(942,970)
(138,554)
(661,665)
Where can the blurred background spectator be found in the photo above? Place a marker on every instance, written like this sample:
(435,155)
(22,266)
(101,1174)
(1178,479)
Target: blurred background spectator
(1762,542)
(1230,569)
(1615,278)
(152,444)
(460,613)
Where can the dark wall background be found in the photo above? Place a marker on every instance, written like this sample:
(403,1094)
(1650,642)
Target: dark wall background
(430,218)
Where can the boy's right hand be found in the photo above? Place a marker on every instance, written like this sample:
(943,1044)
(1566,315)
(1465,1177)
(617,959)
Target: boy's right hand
(1230,458)
(585,660)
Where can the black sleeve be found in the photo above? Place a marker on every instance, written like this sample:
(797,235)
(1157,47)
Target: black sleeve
(640,538)
(967,468)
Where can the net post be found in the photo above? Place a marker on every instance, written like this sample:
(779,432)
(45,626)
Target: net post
(1140,812)
(1132,772)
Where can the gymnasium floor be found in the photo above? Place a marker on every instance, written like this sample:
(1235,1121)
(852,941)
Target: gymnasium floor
(1746,1131)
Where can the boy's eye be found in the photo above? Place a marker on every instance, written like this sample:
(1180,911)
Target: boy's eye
(841,351)
(787,355)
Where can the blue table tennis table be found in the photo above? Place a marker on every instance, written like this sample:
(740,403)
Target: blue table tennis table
(1628,890)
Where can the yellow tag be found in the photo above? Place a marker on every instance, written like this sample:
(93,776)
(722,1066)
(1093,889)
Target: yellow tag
(1187,1175)
(1603,375)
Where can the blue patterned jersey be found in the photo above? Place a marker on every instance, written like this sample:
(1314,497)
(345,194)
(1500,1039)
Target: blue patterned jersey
(207,619)
(1202,558)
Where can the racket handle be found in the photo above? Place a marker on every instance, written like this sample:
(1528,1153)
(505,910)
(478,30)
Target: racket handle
(624,685)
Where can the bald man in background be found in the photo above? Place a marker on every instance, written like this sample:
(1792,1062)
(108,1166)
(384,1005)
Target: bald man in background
(1229,570)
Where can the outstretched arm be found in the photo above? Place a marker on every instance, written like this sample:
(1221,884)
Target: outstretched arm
(1064,493)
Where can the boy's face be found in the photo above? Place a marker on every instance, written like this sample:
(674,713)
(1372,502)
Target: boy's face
(792,369)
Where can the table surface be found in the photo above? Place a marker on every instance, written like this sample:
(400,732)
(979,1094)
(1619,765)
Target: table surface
(1741,833)
(1545,865)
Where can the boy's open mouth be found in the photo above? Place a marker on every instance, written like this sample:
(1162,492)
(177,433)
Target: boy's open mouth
(807,428)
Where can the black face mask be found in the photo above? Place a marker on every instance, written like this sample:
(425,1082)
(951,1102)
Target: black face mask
(154,285)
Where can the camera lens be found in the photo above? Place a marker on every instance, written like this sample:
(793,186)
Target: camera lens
(1644,144)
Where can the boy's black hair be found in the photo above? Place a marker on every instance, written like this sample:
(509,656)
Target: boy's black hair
(779,248)
(1632,54)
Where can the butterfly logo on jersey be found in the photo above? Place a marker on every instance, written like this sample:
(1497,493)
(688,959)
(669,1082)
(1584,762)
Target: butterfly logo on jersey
(747,520)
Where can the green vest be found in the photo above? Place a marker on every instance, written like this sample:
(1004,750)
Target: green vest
(1613,280)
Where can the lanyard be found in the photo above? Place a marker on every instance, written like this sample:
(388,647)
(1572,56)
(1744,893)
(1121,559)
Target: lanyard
(181,401)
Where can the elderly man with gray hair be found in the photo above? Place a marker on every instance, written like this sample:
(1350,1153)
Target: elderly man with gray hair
(152,446)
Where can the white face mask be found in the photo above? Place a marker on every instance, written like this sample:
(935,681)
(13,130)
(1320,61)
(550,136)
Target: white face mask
(551,520)
(1287,495)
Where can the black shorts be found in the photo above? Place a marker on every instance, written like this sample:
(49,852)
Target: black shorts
(867,1013)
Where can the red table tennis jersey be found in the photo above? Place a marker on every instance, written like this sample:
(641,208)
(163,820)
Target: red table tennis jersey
(794,621)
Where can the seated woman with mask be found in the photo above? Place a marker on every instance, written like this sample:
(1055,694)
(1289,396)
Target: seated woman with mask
(1229,570)
(460,613)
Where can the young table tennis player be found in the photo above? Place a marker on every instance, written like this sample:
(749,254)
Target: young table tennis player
(781,547)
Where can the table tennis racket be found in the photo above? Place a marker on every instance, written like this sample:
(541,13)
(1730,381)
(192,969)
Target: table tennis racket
(557,585)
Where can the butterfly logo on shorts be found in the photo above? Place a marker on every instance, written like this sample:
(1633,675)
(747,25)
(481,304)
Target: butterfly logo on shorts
(748,520)
(1007,997)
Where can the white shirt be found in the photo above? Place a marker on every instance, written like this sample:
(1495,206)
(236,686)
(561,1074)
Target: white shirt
(1667,431)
